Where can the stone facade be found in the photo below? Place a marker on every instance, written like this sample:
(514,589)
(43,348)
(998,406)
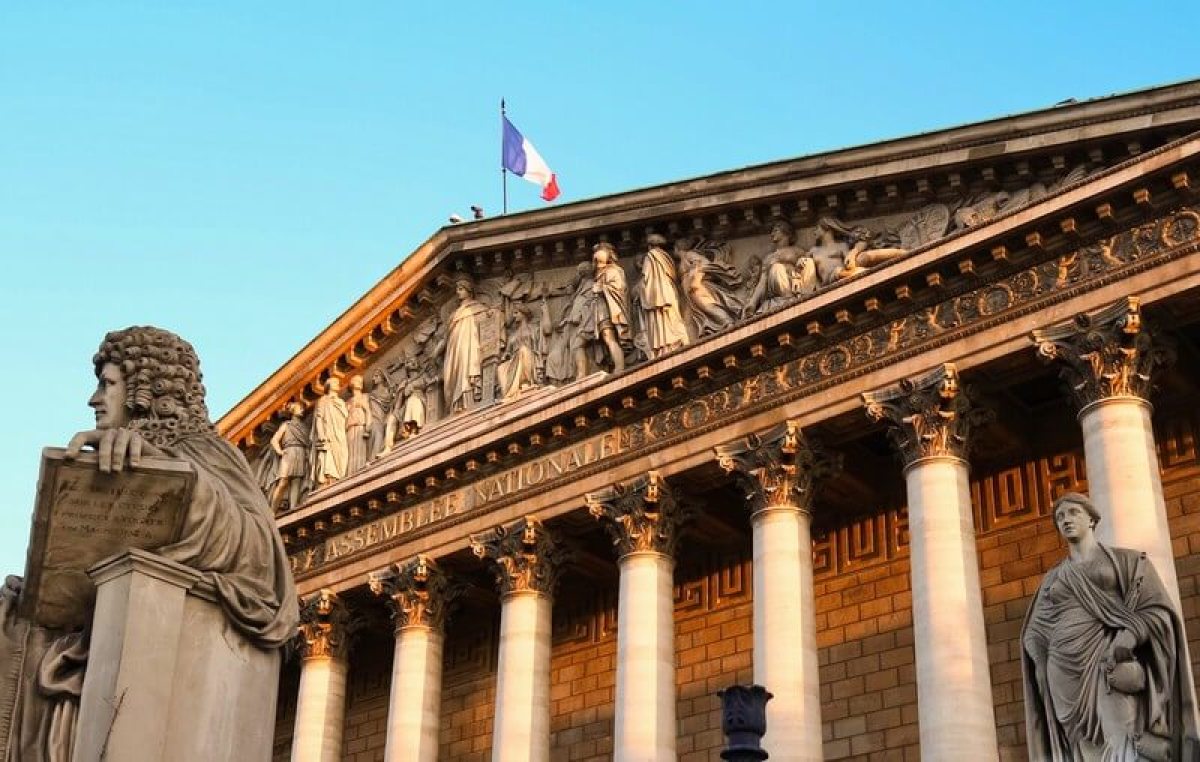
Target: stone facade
(841,472)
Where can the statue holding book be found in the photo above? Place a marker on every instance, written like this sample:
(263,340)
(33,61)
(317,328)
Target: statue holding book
(150,418)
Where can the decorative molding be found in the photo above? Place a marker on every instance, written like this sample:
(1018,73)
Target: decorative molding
(928,416)
(525,555)
(641,516)
(324,630)
(419,593)
(1104,354)
(780,467)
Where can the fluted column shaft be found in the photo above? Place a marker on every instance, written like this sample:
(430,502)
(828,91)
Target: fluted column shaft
(645,711)
(643,519)
(930,419)
(785,632)
(779,470)
(522,724)
(419,596)
(527,562)
(321,704)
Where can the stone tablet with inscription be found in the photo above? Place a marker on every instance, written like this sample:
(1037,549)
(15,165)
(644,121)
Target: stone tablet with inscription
(84,516)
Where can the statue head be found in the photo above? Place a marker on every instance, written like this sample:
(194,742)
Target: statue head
(333,385)
(356,383)
(1070,512)
(603,254)
(149,380)
(464,286)
(295,409)
(654,239)
(782,233)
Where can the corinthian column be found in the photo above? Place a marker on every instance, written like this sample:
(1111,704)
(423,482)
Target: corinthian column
(930,418)
(643,519)
(418,596)
(527,561)
(779,470)
(1108,360)
(321,706)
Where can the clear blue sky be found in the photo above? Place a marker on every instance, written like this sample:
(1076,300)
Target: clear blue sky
(241,172)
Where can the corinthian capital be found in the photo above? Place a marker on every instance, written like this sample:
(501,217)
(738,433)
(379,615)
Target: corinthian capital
(526,557)
(641,516)
(780,467)
(419,593)
(930,415)
(324,626)
(1108,353)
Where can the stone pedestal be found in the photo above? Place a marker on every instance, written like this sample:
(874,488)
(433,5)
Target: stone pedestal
(168,678)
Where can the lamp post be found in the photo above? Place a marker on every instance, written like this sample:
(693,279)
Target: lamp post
(744,722)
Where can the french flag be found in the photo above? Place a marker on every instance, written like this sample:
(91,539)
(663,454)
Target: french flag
(523,160)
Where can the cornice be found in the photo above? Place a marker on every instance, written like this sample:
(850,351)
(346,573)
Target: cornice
(347,343)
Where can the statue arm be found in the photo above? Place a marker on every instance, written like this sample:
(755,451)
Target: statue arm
(277,439)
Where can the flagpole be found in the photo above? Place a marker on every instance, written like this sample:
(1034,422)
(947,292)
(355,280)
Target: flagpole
(503,169)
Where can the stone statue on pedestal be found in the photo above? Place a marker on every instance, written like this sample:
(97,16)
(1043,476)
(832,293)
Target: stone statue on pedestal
(290,446)
(612,324)
(358,426)
(462,367)
(786,273)
(658,295)
(149,402)
(1104,658)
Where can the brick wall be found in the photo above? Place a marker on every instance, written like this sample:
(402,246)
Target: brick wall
(864,622)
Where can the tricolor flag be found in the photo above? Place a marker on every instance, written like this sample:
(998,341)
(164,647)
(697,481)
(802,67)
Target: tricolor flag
(523,160)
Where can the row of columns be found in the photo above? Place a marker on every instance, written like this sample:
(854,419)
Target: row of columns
(1107,359)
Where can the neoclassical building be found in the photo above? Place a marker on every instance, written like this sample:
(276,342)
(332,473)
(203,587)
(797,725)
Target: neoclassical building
(561,475)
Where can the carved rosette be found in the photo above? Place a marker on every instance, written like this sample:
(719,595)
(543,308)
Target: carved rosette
(641,516)
(525,555)
(419,593)
(1108,353)
(929,416)
(324,627)
(779,468)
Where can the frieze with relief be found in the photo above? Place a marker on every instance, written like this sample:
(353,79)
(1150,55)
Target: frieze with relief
(830,363)
(484,338)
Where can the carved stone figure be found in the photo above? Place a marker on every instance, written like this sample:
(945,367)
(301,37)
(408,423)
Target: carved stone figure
(709,287)
(659,299)
(982,209)
(380,399)
(358,426)
(612,325)
(462,367)
(408,415)
(524,359)
(567,350)
(786,273)
(290,445)
(842,251)
(149,401)
(330,452)
(1104,666)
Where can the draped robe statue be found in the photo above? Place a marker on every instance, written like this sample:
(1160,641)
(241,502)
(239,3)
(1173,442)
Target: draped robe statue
(358,426)
(1104,672)
(661,317)
(330,451)
(462,367)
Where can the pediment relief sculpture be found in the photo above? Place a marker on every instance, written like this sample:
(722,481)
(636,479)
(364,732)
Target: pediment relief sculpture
(491,336)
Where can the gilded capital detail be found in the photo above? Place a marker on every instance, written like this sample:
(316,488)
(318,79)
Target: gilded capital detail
(641,516)
(525,556)
(419,593)
(1108,353)
(928,416)
(324,627)
(780,467)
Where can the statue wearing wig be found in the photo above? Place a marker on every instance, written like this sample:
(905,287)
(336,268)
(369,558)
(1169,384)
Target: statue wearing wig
(149,400)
